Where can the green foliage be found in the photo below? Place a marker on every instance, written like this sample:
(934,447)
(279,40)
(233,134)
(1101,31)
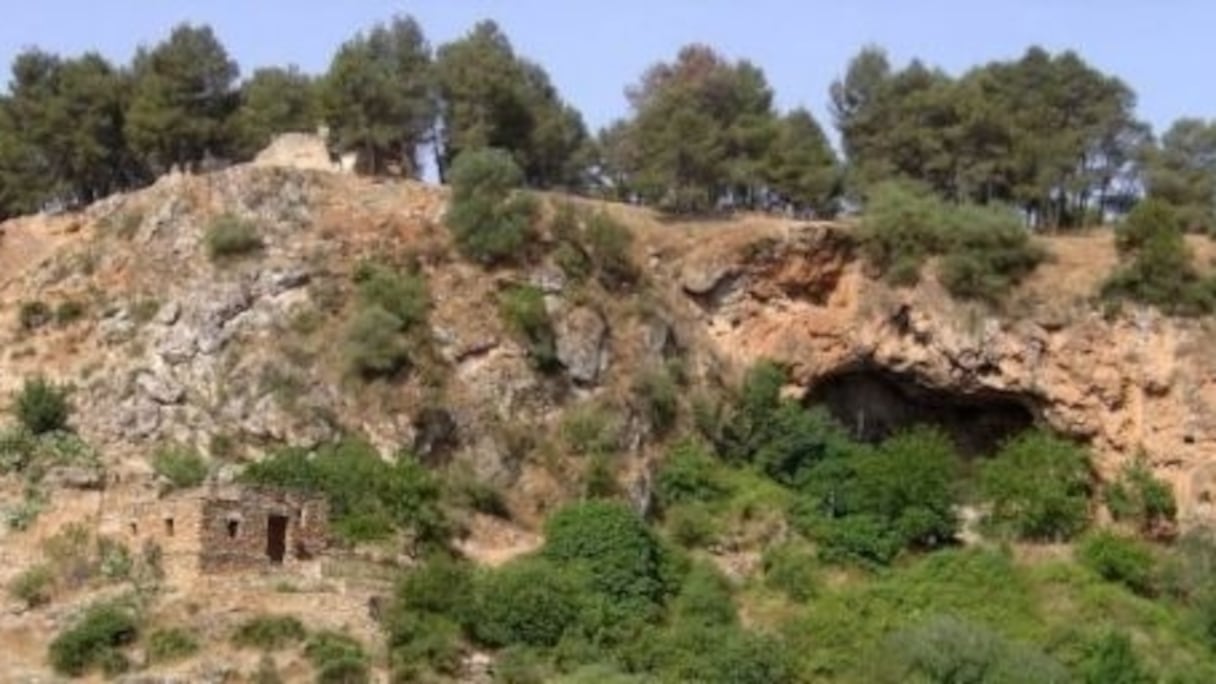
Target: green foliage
(338,658)
(269,632)
(591,429)
(610,243)
(1137,496)
(985,250)
(1181,172)
(376,97)
(402,294)
(32,586)
(68,312)
(374,346)
(658,394)
(1038,486)
(229,236)
(704,598)
(369,497)
(523,309)
(184,467)
(424,619)
(273,101)
(1158,268)
(948,649)
(1119,559)
(1111,660)
(689,473)
(878,502)
(792,570)
(168,645)
(531,602)
(491,221)
(613,545)
(42,407)
(494,98)
(94,640)
(34,315)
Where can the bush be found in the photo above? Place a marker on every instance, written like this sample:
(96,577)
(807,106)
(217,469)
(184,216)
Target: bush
(68,312)
(269,632)
(618,551)
(403,295)
(531,602)
(704,598)
(34,315)
(792,570)
(1111,660)
(659,398)
(442,585)
(901,228)
(338,658)
(94,641)
(368,497)
(167,645)
(1118,559)
(182,466)
(610,243)
(1158,269)
(692,525)
(1038,486)
(948,649)
(871,505)
(591,429)
(42,407)
(374,346)
(523,309)
(229,236)
(490,219)
(1139,497)
(689,473)
(33,586)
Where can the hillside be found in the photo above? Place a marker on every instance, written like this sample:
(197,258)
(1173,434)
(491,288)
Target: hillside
(168,342)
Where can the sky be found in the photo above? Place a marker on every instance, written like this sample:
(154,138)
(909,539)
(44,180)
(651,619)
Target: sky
(594,49)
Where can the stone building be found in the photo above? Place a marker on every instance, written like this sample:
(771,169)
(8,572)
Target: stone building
(227,529)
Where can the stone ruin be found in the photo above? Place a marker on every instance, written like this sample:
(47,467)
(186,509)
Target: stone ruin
(227,529)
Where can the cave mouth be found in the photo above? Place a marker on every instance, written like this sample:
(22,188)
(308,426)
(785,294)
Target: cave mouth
(874,403)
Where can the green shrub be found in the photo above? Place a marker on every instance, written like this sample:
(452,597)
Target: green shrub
(689,473)
(901,228)
(374,345)
(1038,486)
(269,632)
(421,643)
(490,219)
(229,236)
(1111,660)
(531,602)
(704,598)
(610,243)
(713,654)
(873,504)
(338,658)
(692,525)
(168,645)
(32,586)
(443,585)
(34,315)
(182,466)
(1139,497)
(656,392)
(591,429)
(573,261)
(42,406)
(368,497)
(989,251)
(618,551)
(948,649)
(1158,268)
(404,295)
(523,309)
(791,569)
(69,312)
(1119,559)
(17,450)
(94,640)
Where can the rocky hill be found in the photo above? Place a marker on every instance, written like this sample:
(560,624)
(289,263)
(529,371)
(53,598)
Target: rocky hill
(164,341)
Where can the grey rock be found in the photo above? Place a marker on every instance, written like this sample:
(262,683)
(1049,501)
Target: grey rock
(162,389)
(582,335)
(277,281)
(178,345)
(169,313)
(142,417)
(74,477)
(549,279)
(116,330)
(702,279)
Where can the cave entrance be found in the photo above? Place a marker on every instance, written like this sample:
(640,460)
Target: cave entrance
(873,404)
(276,538)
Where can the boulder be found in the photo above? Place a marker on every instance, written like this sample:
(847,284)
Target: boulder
(582,335)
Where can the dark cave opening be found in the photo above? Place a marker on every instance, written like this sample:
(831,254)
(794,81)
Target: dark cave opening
(874,403)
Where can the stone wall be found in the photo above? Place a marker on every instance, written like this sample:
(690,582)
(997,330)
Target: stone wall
(261,529)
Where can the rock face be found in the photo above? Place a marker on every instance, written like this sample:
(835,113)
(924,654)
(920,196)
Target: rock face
(1138,383)
(582,335)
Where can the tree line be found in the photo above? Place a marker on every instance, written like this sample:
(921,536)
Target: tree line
(1048,134)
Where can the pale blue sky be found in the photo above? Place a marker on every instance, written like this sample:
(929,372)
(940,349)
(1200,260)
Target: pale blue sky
(593,49)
